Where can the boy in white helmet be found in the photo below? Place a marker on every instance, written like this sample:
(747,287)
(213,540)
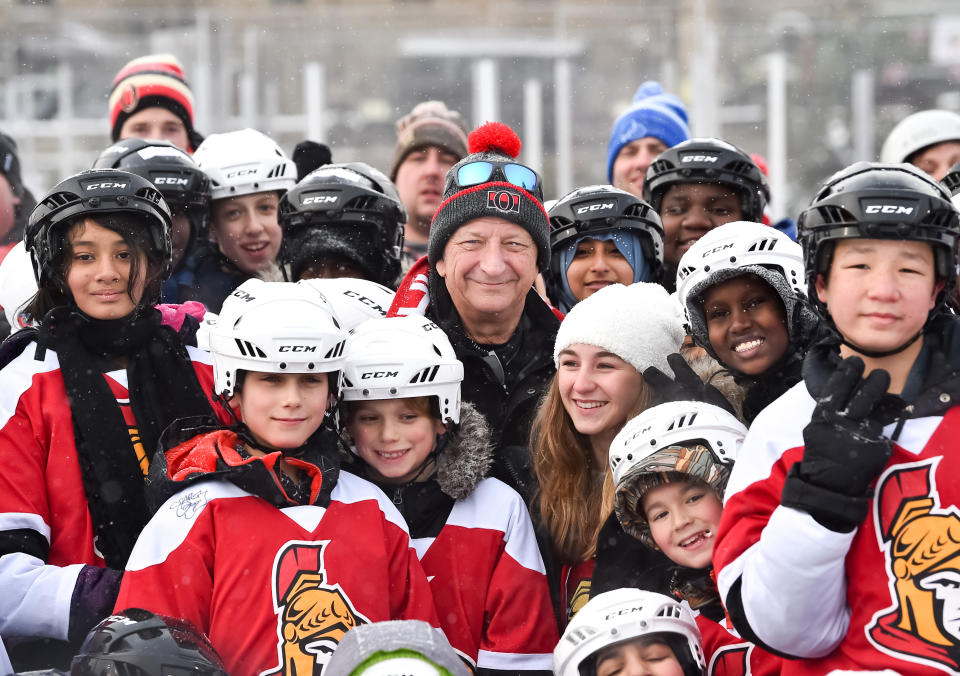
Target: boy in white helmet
(249,173)
(430,454)
(632,633)
(257,520)
(670,467)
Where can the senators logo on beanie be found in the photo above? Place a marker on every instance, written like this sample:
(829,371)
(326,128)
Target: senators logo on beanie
(497,144)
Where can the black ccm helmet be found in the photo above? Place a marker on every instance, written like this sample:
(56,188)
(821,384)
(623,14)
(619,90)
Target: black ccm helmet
(349,210)
(88,194)
(880,201)
(597,210)
(708,160)
(136,642)
(172,171)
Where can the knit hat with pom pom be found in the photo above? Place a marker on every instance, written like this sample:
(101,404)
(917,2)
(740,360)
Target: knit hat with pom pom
(496,143)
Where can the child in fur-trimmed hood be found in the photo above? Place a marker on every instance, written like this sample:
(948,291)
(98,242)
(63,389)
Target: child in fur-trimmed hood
(412,437)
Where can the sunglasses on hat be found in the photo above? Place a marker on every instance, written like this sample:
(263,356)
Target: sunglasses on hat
(475,173)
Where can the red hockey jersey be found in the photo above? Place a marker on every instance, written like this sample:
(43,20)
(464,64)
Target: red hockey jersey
(42,493)
(276,588)
(882,597)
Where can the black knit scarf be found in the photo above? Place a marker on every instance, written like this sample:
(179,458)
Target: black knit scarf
(163,387)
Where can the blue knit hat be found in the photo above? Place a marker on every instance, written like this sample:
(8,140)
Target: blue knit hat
(653,113)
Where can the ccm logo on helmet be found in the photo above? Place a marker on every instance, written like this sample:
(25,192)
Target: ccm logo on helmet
(297,348)
(888,209)
(170,180)
(243,295)
(104,186)
(320,199)
(379,374)
(623,611)
(372,304)
(698,158)
(501,200)
(599,206)
(716,249)
(241,172)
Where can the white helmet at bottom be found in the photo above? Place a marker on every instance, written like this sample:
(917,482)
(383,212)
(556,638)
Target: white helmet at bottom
(622,615)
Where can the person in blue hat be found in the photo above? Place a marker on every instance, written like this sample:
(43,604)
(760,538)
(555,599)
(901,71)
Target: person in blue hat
(655,121)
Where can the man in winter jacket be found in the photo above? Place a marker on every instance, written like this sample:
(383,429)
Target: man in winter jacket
(488,241)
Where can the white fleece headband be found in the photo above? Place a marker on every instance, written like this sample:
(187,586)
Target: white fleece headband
(638,323)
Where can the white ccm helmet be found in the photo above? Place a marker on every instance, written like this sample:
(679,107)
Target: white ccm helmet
(244,162)
(662,439)
(354,300)
(915,132)
(274,327)
(735,249)
(402,357)
(622,615)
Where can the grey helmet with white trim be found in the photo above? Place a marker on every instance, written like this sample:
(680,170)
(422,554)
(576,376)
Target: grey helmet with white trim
(274,327)
(687,437)
(401,357)
(622,615)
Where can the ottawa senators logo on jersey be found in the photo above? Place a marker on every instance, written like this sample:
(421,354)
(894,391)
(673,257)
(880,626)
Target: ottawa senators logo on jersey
(312,615)
(921,540)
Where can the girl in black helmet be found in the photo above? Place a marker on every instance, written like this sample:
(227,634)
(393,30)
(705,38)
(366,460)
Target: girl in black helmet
(85,398)
(843,497)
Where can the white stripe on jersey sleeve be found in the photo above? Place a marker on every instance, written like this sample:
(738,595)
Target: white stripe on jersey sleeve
(495,506)
(17,377)
(350,488)
(19,520)
(36,597)
(171,524)
(796,571)
(514,661)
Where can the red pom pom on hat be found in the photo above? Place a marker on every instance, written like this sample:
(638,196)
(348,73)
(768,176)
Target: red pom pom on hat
(494,137)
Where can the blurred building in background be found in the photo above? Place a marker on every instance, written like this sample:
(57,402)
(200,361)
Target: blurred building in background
(810,85)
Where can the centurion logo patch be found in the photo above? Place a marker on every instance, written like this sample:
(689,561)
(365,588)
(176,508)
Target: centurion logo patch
(312,615)
(503,200)
(920,539)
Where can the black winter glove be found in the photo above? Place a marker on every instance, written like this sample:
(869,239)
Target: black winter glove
(844,450)
(684,386)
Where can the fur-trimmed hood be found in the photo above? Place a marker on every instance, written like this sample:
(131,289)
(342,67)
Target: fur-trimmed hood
(465,455)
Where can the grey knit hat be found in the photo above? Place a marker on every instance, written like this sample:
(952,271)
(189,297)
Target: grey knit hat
(430,123)
(492,142)
(364,642)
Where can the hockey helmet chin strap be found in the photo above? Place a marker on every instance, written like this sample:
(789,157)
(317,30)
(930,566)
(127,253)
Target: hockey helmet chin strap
(877,354)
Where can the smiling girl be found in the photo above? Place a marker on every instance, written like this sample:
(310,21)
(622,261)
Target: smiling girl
(741,287)
(86,397)
(430,453)
(600,235)
(602,348)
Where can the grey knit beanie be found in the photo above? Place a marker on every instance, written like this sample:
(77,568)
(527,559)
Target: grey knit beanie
(492,142)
